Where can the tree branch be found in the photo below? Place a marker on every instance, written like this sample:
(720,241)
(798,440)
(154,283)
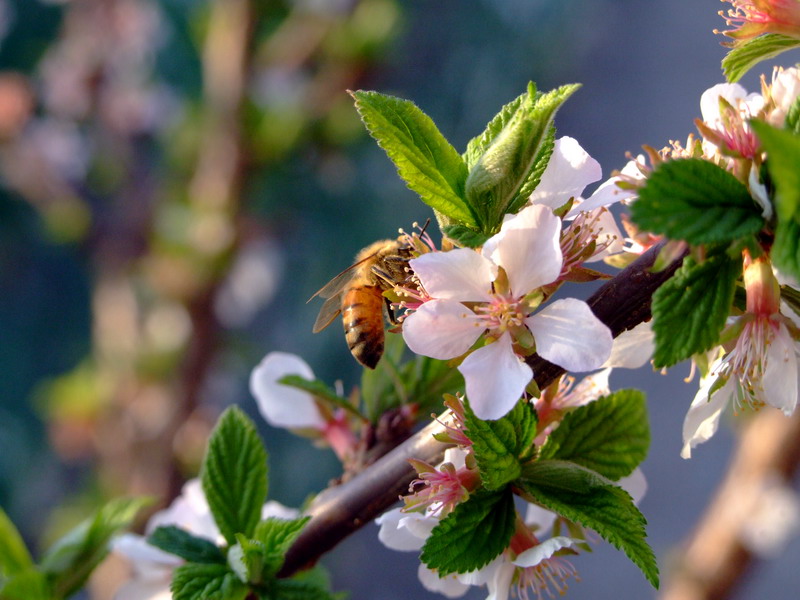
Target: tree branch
(621,303)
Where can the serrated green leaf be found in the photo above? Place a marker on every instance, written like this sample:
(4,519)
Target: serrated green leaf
(500,445)
(747,54)
(465,237)
(786,248)
(477,531)
(206,582)
(29,584)
(234,474)
(535,176)
(563,475)
(609,436)
(424,159)
(14,555)
(70,561)
(181,543)
(293,589)
(478,145)
(783,158)
(694,200)
(278,535)
(690,309)
(496,179)
(608,510)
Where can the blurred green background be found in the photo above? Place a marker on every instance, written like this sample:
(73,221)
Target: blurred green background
(179,176)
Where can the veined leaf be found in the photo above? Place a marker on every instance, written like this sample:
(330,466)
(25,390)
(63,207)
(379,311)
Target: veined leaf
(745,55)
(181,543)
(477,531)
(465,236)
(607,509)
(694,200)
(234,475)
(424,159)
(609,436)
(206,582)
(783,158)
(690,309)
(500,445)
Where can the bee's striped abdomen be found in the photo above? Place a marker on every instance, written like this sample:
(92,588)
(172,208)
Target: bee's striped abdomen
(362,315)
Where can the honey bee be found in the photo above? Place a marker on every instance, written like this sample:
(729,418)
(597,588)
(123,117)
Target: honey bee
(357,293)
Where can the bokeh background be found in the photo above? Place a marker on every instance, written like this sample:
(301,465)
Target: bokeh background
(179,176)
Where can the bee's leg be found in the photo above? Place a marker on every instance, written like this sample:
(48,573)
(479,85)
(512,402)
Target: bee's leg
(390,312)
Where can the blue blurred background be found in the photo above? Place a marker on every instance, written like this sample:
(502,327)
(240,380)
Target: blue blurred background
(163,221)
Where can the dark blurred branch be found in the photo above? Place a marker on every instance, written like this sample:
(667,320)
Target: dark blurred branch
(622,303)
(714,560)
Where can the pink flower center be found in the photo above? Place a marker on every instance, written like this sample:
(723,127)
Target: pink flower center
(502,313)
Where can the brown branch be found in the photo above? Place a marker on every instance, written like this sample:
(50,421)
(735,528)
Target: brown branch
(714,560)
(622,303)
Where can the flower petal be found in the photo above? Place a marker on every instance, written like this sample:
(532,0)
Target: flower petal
(528,248)
(568,334)
(448,586)
(632,348)
(780,375)
(568,172)
(394,535)
(609,192)
(702,419)
(461,274)
(495,378)
(533,556)
(635,484)
(441,329)
(281,405)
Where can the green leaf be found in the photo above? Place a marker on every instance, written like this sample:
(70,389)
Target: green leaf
(181,543)
(278,535)
(426,380)
(382,388)
(479,144)
(424,159)
(70,561)
(786,248)
(793,117)
(496,179)
(535,176)
(206,582)
(466,237)
(477,531)
(14,555)
(294,589)
(609,436)
(234,475)
(783,158)
(29,584)
(694,200)
(690,309)
(607,509)
(746,54)
(500,445)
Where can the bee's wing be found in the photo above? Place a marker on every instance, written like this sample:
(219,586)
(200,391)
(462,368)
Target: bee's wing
(329,311)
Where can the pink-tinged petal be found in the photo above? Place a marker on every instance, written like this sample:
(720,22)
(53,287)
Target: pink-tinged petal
(460,274)
(632,348)
(528,248)
(449,585)
(495,378)
(709,100)
(609,192)
(702,419)
(441,329)
(145,589)
(569,335)
(780,376)
(568,172)
(282,405)
(533,556)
